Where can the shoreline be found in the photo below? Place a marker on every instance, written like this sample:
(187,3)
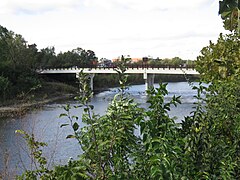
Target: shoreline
(22,108)
(13,110)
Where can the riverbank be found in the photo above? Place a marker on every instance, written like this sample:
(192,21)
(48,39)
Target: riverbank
(48,93)
(23,108)
(54,91)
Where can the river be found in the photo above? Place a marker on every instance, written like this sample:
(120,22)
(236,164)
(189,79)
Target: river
(45,124)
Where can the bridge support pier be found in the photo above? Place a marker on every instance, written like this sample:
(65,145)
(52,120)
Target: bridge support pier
(149,80)
(90,76)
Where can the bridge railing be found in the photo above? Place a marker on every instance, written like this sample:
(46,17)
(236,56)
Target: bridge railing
(128,67)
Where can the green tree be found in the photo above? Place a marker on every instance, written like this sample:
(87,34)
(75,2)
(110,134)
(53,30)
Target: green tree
(32,55)
(229,11)
(68,59)
(17,62)
(4,35)
(5,88)
(47,57)
(221,60)
(86,58)
(213,136)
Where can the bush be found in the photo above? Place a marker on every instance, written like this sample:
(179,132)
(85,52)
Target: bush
(5,88)
(204,146)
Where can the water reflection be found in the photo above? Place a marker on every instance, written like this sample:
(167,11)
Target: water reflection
(45,124)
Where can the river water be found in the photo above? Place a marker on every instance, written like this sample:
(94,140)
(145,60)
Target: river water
(45,124)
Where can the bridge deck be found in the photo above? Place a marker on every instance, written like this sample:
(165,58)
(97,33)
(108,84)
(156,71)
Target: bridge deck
(141,70)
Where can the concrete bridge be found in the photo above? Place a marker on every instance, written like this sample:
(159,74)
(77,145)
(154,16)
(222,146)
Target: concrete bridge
(148,72)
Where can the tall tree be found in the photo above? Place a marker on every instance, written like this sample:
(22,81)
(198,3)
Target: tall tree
(47,57)
(229,11)
(17,63)
(220,60)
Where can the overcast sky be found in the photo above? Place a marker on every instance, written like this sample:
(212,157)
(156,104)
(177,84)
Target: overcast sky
(157,28)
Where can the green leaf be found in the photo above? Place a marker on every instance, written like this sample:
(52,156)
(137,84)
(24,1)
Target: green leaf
(91,107)
(145,137)
(155,159)
(75,117)
(67,107)
(20,131)
(75,126)
(70,136)
(142,127)
(155,170)
(62,125)
(103,144)
(62,115)
(78,106)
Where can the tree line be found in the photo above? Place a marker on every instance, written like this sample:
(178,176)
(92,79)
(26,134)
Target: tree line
(171,62)
(19,60)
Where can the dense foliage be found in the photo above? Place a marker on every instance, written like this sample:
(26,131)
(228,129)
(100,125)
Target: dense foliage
(229,11)
(221,60)
(204,146)
(19,60)
(16,64)
(171,62)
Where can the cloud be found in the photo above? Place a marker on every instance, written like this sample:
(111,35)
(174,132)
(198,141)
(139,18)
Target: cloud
(165,37)
(32,6)
(145,5)
(163,28)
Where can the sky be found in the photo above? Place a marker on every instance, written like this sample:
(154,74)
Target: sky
(111,28)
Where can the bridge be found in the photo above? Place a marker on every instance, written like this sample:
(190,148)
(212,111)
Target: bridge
(148,72)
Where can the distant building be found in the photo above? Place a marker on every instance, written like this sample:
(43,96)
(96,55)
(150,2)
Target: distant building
(133,60)
(136,60)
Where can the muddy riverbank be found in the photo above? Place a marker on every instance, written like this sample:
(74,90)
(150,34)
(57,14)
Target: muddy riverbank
(22,108)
